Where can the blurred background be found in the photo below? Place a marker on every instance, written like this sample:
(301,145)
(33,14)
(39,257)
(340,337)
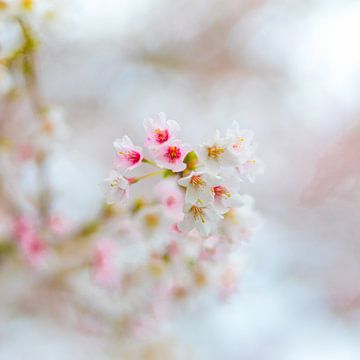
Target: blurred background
(289,70)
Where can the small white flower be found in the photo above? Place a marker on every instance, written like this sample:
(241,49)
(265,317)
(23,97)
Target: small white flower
(226,192)
(244,149)
(240,222)
(203,218)
(199,187)
(217,153)
(250,168)
(117,188)
(241,142)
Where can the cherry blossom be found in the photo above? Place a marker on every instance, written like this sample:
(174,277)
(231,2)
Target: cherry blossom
(250,168)
(203,218)
(171,155)
(105,271)
(199,187)
(160,130)
(217,153)
(33,248)
(23,226)
(171,197)
(128,156)
(117,188)
(241,142)
(226,193)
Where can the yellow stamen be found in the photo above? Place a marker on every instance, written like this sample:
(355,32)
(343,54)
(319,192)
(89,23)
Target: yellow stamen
(152,221)
(197,181)
(27,4)
(198,213)
(215,152)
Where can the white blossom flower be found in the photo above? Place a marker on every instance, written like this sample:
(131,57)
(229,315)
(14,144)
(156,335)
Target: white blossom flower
(128,156)
(117,188)
(226,192)
(160,130)
(199,187)
(217,153)
(240,222)
(250,168)
(241,142)
(202,217)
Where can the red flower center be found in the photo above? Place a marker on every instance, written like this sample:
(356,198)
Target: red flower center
(161,136)
(220,191)
(133,157)
(173,153)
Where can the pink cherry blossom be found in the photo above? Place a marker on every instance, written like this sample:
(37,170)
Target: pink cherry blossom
(105,272)
(33,248)
(171,155)
(171,197)
(23,227)
(58,224)
(159,130)
(128,156)
(30,243)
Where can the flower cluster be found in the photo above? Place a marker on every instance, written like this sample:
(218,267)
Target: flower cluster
(209,174)
(151,248)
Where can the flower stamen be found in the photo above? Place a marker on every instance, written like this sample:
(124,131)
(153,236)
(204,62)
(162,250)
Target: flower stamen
(173,153)
(161,136)
(215,152)
(198,213)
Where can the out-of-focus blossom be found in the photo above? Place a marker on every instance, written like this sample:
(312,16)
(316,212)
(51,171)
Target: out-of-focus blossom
(30,243)
(128,156)
(52,129)
(160,130)
(33,248)
(26,152)
(22,227)
(171,155)
(58,224)
(104,262)
(170,197)
(240,222)
(117,188)
(251,168)
(199,187)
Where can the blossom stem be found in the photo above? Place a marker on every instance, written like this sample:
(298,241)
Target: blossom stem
(146,176)
(147,161)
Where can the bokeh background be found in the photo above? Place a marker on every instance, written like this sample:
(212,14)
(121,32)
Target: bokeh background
(289,70)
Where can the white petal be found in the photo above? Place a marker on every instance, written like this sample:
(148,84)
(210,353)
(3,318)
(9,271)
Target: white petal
(206,196)
(185,180)
(187,223)
(204,228)
(174,127)
(191,195)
